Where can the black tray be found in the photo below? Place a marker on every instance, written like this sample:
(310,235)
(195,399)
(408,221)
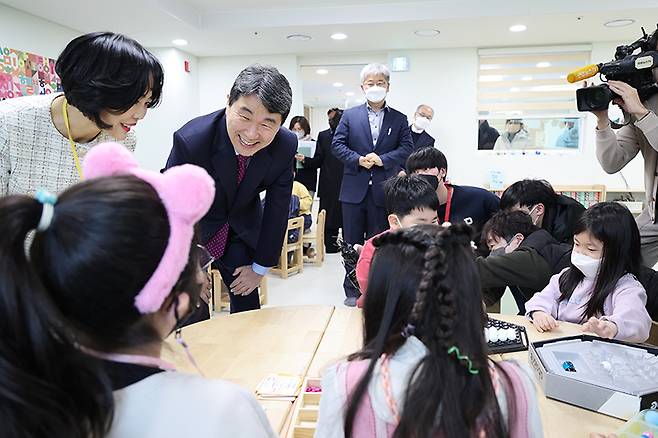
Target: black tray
(520,343)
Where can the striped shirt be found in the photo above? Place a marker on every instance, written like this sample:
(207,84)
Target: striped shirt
(33,153)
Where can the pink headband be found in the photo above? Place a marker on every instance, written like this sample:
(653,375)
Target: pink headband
(187,193)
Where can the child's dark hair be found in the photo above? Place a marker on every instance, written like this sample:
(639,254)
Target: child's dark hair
(76,288)
(528,193)
(105,71)
(402,194)
(426,158)
(505,224)
(614,225)
(442,397)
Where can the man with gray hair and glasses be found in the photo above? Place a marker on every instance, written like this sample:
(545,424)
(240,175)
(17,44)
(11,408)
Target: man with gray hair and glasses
(247,151)
(373,141)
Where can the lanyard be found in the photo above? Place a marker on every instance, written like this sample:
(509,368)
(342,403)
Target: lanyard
(449,203)
(135,359)
(74,150)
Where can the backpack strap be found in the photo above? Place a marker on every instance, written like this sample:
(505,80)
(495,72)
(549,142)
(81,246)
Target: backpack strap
(364,420)
(517,400)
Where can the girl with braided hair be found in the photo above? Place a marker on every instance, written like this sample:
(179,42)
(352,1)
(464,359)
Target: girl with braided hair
(423,370)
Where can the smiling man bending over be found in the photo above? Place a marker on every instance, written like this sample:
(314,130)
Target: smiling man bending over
(247,151)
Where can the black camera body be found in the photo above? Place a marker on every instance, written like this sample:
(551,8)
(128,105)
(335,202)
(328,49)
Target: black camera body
(635,70)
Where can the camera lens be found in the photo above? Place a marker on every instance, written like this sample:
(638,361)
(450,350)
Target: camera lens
(600,97)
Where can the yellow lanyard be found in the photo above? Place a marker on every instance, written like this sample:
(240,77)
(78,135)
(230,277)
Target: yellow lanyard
(74,150)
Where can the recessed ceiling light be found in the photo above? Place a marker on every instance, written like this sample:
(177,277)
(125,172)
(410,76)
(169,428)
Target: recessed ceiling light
(619,23)
(515,89)
(518,28)
(543,64)
(338,36)
(427,32)
(179,42)
(526,78)
(299,37)
(338,84)
(322,71)
(349,94)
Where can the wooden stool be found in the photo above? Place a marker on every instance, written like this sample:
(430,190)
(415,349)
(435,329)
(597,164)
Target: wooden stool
(317,238)
(284,269)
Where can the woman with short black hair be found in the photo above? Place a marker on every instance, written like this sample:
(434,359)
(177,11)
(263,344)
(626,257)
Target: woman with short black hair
(109,82)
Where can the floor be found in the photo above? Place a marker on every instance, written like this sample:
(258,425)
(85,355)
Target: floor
(324,285)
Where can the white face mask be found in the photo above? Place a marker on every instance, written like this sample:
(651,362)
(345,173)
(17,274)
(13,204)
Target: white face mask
(376,94)
(585,264)
(299,134)
(422,123)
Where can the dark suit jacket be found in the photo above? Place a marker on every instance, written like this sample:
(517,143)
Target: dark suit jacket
(331,175)
(204,141)
(353,139)
(424,141)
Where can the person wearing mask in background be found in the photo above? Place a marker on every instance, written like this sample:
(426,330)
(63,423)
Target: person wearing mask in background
(555,213)
(569,137)
(373,141)
(109,83)
(308,176)
(472,205)
(615,150)
(487,136)
(515,136)
(422,120)
(331,175)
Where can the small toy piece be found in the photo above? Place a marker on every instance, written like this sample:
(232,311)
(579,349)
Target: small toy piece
(567,365)
(651,417)
(647,435)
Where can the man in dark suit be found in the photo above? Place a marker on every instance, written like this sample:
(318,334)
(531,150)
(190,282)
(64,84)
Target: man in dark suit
(373,141)
(331,175)
(422,120)
(245,149)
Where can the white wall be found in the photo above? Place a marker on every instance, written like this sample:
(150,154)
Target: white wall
(179,104)
(447,80)
(319,121)
(217,75)
(26,32)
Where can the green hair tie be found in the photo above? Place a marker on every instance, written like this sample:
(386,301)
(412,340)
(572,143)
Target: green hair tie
(455,350)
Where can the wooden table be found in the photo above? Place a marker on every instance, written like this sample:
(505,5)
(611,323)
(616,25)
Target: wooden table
(303,340)
(560,419)
(245,347)
(344,336)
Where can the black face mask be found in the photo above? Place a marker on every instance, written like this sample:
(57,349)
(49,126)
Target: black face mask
(433,180)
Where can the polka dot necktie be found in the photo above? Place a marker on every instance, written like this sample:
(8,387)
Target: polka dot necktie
(217,243)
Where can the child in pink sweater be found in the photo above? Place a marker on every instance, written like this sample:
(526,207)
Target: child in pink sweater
(423,370)
(600,290)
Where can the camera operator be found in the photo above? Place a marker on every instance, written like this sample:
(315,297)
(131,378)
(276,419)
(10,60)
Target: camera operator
(615,150)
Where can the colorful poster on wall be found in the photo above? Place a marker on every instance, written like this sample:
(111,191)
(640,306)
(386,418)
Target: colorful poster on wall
(26,74)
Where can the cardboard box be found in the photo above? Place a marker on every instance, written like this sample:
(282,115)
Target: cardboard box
(597,398)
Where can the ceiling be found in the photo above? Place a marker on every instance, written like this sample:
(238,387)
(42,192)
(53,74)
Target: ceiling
(251,27)
(373,27)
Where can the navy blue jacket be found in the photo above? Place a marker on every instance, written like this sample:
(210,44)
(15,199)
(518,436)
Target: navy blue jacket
(422,140)
(353,139)
(204,141)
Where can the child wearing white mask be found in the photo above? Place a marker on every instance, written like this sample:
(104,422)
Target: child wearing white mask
(600,290)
